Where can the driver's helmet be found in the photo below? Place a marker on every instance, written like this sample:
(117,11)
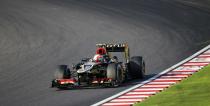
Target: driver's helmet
(100,55)
(101,51)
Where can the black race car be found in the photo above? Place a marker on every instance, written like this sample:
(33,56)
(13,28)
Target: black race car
(101,70)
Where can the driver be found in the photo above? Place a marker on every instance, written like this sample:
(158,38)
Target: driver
(100,55)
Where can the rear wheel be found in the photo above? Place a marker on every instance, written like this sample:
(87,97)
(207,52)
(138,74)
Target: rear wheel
(137,67)
(114,71)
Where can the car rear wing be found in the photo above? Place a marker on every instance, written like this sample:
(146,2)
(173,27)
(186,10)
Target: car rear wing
(121,47)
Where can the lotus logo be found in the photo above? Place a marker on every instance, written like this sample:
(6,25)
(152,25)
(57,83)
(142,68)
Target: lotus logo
(87,67)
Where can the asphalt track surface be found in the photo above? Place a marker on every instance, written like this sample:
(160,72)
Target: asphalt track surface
(38,35)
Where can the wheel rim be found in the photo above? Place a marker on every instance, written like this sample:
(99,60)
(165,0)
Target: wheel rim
(115,83)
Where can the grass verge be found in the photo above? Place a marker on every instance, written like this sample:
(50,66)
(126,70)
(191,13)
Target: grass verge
(193,91)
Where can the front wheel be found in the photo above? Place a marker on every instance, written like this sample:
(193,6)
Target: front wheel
(63,72)
(114,71)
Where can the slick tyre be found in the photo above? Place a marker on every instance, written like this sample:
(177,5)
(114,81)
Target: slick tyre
(63,72)
(114,72)
(137,67)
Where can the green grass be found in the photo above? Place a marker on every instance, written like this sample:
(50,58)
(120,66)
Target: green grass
(193,91)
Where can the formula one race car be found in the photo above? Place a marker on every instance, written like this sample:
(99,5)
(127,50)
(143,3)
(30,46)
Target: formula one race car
(101,70)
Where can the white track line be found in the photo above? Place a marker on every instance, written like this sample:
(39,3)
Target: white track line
(183,64)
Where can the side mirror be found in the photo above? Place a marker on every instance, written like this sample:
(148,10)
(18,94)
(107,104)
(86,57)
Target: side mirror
(85,59)
(73,66)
